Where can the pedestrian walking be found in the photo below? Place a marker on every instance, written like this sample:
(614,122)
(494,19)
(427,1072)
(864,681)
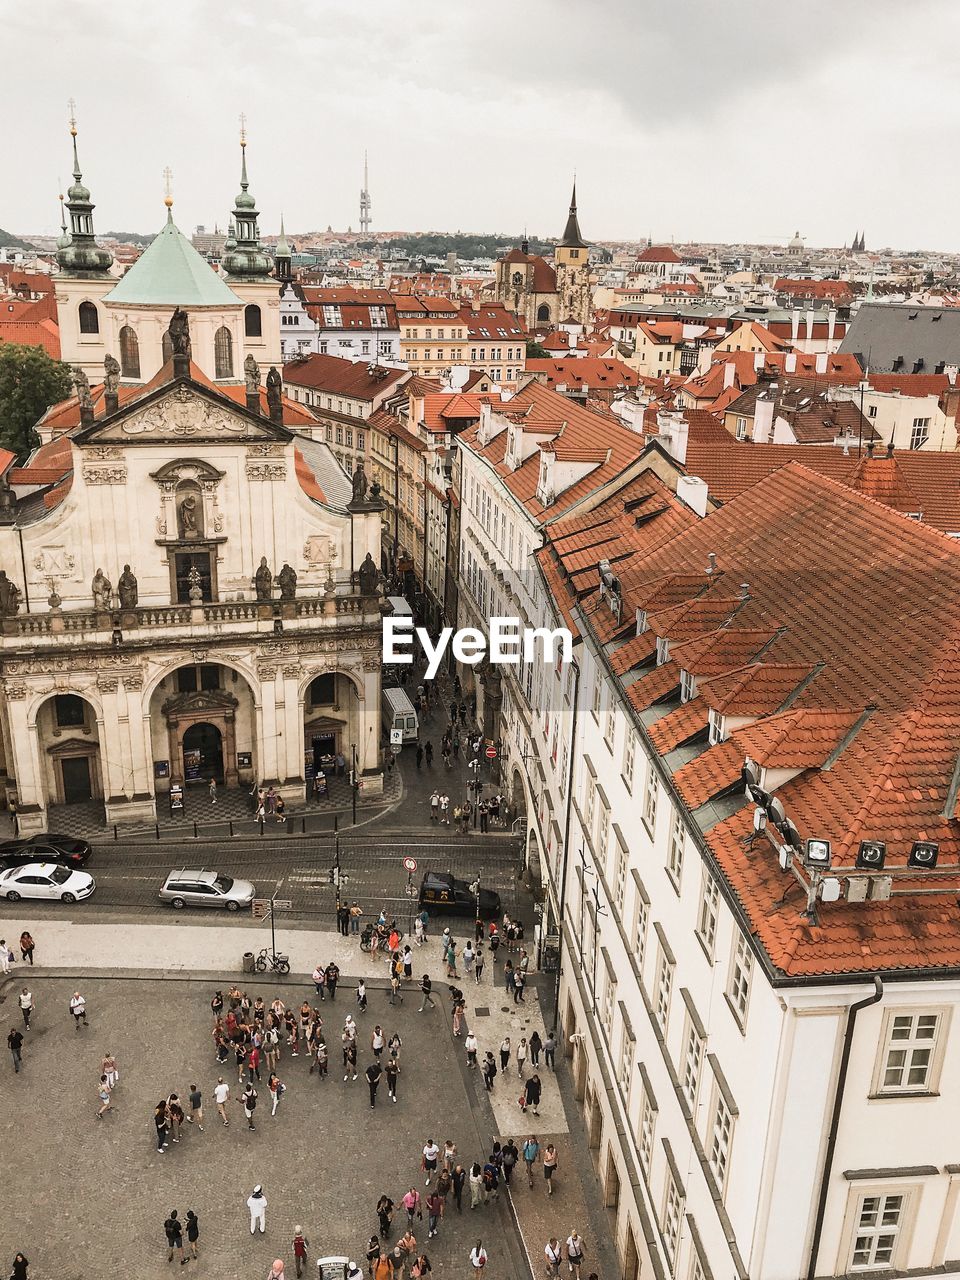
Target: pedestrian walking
(300,1246)
(392,1071)
(426,987)
(489,1071)
(319,977)
(356,912)
(428,752)
(103,1093)
(27,1006)
(491,1181)
(477,1196)
(15,1045)
(434,1213)
(277,1271)
(378,1041)
(108,1066)
(321,1059)
(445,810)
(531,1093)
(509,1157)
(253,1064)
(522,1050)
(212,790)
(536,1047)
(449,1155)
(457,1179)
(193,1233)
(6,956)
(554,1256)
(519,982)
(420,1268)
(280,809)
(470,1046)
(531,1153)
(385,1209)
(221,1094)
(333,977)
(373,1255)
(27,947)
(20,1264)
(248,1100)
(549,1050)
(277,1090)
(174,1116)
(362,996)
(160,1122)
(504,1053)
(435,806)
(173,1229)
(419,756)
(478,1258)
(257,1204)
(373,1074)
(411,1203)
(574,1254)
(549,1165)
(429,1165)
(478,966)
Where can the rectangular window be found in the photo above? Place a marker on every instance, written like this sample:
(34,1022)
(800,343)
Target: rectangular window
(672,1217)
(625,1070)
(675,849)
(910,1052)
(721,1134)
(741,428)
(693,1046)
(715,725)
(70,711)
(361,440)
(620,874)
(589,806)
(650,799)
(738,989)
(919,433)
(610,728)
(664,990)
(640,930)
(609,1000)
(707,916)
(597,694)
(629,757)
(688,686)
(879,1221)
(648,1129)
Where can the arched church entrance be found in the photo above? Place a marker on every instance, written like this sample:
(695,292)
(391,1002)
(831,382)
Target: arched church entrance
(202,753)
(70,748)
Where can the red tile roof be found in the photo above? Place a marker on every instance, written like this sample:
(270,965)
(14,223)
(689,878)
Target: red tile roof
(835,291)
(342,377)
(579,373)
(659,253)
(32,333)
(306,479)
(544,278)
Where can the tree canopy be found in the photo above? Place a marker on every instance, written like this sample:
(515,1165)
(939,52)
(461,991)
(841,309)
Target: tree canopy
(30,382)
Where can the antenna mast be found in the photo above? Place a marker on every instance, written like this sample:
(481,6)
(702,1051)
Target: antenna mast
(365,201)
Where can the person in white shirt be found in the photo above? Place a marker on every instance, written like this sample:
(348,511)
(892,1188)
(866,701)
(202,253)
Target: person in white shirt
(5,954)
(257,1204)
(478,1258)
(553,1254)
(430,1153)
(25,1000)
(470,1045)
(574,1254)
(78,1007)
(221,1093)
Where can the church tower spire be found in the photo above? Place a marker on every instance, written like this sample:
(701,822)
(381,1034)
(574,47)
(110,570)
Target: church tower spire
(82,256)
(572,239)
(246,260)
(282,258)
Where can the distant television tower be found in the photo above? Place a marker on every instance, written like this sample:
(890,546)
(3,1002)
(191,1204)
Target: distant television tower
(365,202)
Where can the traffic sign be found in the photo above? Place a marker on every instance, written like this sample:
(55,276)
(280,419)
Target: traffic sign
(396,737)
(395,749)
(491,753)
(410,864)
(261,908)
(283,904)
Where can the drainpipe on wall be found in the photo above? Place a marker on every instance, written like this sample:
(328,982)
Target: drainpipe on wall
(835,1121)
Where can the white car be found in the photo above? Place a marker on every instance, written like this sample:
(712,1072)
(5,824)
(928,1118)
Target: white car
(45,880)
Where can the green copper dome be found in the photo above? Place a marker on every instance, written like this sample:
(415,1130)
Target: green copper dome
(170,273)
(78,253)
(245,260)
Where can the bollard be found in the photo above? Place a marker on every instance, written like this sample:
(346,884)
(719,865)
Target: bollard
(261,826)
(115,836)
(158,830)
(303,825)
(196,833)
(231,826)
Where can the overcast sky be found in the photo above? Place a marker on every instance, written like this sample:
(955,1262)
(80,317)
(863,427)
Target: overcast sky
(690,119)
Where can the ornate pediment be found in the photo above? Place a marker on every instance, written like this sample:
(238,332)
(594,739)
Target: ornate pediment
(207,700)
(179,413)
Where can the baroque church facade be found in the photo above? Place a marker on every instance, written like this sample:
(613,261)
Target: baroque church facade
(549,294)
(188,581)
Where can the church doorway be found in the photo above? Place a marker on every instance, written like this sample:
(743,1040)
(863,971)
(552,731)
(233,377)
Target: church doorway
(202,753)
(76,781)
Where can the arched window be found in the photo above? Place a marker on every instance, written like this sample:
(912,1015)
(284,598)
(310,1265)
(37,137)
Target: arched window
(543,313)
(252,322)
(223,353)
(129,353)
(89,319)
(166,346)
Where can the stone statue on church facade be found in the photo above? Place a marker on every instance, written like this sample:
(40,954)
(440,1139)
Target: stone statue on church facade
(368,577)
(81,384)
(190,517)
(9,596)
(127,589)
(263,580)
(251,376)
(179,331)
(287,582)
(359,483)
(111,375)
(102,591)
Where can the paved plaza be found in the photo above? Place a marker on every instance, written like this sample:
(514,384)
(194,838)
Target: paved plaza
(88,1198)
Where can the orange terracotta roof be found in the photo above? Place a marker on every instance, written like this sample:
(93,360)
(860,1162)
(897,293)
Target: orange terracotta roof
(306,479)
(582,372)
(680,726)
(341,377)
(32,333)
(659,253)
(758,689)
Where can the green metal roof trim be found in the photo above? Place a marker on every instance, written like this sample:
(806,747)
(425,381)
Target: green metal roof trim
(170,272)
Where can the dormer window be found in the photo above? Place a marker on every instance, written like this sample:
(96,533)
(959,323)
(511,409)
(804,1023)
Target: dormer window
(663,650)
(688,686)
(641,621)
(715,728)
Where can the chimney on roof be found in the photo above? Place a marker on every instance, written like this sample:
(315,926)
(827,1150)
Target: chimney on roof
(763,418)
(831,326)
(693,491)
(711,563)
(729,374)
(790,362)
(744,591)
(870,444)
(821,362)
(810,324)
(757,361)
(794,326)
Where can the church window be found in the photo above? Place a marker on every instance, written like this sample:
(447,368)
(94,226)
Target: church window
(70,711)
(252,321)
(166,346)
(223,353)
(89,319)
(543,313)
(574,253)
(129,353)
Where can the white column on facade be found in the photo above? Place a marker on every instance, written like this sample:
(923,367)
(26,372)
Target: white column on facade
(26,762)
(291,752)
(134,724)
(268,741)
(368,722)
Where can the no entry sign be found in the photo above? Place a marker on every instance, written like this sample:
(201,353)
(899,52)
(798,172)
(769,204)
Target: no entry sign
(410,864)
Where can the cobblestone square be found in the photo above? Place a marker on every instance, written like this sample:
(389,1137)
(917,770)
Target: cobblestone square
(85,1198)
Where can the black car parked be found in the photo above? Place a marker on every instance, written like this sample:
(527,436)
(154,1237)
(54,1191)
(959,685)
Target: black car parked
(45,847)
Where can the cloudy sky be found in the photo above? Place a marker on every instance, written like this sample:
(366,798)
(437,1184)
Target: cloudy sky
(691,119)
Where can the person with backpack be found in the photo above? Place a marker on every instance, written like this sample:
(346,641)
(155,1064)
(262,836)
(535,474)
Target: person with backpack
(489,1071)
(531,1153)
(173,1229)
(510,1155)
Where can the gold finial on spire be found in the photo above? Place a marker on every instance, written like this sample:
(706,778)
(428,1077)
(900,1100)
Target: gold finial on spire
(168,187)
(72,108)
(243,128)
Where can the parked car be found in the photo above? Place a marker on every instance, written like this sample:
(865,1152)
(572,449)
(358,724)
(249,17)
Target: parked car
(45,880)
(202,888)
(440,891)
(45,847)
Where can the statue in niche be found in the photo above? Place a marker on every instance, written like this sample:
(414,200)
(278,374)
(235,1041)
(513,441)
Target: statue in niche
(359,483)
(127,589)
(9,596)
(190,516)
(287,582)
(102,591)
(263,580)
(111,375)
(179,331)
(251,376)
(368,577)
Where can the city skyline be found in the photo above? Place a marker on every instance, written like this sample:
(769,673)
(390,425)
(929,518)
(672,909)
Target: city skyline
(684,149)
